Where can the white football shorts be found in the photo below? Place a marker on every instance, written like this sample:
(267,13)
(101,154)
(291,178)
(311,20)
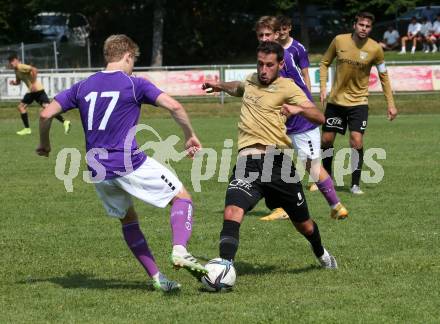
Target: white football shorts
(307,145)
(152,183)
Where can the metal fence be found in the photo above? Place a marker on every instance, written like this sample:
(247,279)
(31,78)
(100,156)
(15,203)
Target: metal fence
(50,55)
(186,81)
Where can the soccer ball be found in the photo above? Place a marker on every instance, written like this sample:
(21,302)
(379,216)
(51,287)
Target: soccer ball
(221,275)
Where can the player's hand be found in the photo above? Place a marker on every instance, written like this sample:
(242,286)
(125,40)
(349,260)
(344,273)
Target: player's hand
(211,87)
(12,82)
(192,146)
(33,87)
(43,150)
(289,110)
(323,97)
(392,113)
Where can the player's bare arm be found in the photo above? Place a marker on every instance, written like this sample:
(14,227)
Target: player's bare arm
(387,91)
(307,109)
(306,76)
(192,143)
(233,88)
(46,116)
(325,63)
(15,82)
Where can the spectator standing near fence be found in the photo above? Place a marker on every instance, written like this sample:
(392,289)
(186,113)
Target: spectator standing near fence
(412,35)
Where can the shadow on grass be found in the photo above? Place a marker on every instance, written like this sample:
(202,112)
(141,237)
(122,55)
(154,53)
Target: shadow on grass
(84,280)
(364,187)
(342,189)
(252,213)
(245,268)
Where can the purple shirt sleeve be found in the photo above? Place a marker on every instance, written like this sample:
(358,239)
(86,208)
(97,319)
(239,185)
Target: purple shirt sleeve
(68,98)
(146,92)
(303,57)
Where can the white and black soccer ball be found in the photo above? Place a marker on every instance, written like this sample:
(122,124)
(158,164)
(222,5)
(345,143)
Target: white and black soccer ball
(221,275)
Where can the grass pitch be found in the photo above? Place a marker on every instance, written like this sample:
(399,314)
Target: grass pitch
(63,260)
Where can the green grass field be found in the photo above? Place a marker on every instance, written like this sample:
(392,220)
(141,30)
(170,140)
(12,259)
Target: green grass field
(63,260)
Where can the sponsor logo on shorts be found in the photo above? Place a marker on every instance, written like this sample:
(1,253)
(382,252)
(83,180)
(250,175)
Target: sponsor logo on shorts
(334,122)
(241,185)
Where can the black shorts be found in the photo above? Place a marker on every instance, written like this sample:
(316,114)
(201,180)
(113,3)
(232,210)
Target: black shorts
(337,118)
(252,181)
(39,96)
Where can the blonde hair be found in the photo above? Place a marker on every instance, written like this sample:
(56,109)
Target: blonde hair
(269,22)
(116,46)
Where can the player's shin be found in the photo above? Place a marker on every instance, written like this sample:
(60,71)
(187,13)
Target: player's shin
(327,189)
(357,166)
(314,239)
(327,159)
(138,245)
(25,119)
(229,239)
(181,226)
(181,221)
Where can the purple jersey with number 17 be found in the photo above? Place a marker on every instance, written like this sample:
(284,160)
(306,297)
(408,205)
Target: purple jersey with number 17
(109,103)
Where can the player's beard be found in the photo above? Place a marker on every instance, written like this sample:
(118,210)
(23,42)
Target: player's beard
(268,81)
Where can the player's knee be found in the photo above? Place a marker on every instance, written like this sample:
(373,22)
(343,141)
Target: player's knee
(183,194)
(130,216)
(305,228)
(21,108)
(327,140)
(233,213)
(357,144)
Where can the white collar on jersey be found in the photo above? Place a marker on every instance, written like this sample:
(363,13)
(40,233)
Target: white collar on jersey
(111,71)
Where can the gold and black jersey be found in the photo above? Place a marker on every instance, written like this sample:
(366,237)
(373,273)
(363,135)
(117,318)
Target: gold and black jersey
(260,118)
(23,73)
(353,66)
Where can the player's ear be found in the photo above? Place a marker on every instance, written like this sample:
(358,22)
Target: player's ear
(127,57)
(281,64)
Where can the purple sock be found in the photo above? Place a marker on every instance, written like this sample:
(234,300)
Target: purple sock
(181,221)
(138,245)
(328,190)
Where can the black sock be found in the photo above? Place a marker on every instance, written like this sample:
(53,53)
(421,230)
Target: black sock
(25,119)
(60,118)
(315,241)
(328,160)
(229,239)
(356,175)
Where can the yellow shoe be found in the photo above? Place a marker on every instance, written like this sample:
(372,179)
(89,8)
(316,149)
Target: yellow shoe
(24,131)
(339,212)
(66,125)
(277,214)
(313,187)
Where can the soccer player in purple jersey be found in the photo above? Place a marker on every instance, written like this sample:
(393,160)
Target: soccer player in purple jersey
(109,103)
(305,135)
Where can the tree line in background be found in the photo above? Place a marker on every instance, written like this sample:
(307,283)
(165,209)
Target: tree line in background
(184,32)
